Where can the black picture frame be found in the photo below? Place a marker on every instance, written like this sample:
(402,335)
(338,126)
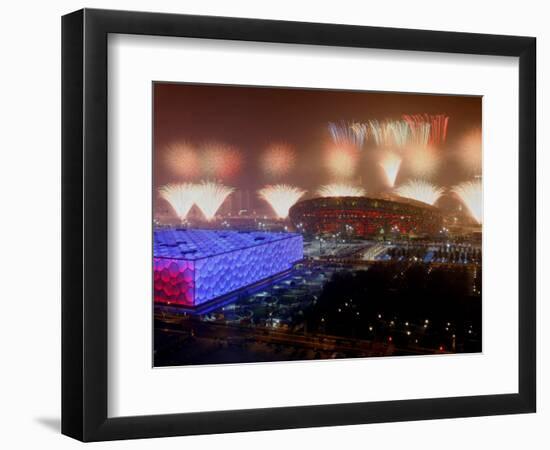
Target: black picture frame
(84,224)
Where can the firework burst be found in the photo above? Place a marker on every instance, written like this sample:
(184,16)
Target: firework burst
(470,193)
(419,129)
(210,196)
(400,131)
(428,129)
(180,196)
(278,160)
(391,164)
(421,191)
(182,160)
(341,161)
(361,131)
(281,197)
(389,133)
(470,151)
(422,161)
(340,190)
(221,161)
(438,129)
(348,133)
(381,133)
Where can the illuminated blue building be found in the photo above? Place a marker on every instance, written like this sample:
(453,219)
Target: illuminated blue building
(192,267)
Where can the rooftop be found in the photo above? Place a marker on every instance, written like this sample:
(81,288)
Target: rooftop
(193,244)
(384,197)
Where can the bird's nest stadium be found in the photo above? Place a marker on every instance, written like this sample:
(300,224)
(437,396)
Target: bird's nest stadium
(366,216)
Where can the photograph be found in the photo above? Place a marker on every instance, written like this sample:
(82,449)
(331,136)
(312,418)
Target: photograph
(312,224)
(270,225)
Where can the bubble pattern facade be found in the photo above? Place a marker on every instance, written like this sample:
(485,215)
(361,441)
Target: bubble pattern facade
(174,281)
(192,267)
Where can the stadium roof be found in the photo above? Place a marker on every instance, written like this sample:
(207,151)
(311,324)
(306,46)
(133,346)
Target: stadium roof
(383,197)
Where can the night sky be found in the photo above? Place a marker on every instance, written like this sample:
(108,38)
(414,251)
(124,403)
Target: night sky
(251,118)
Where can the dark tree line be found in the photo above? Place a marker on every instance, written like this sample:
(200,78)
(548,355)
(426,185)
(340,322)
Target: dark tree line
(351,303)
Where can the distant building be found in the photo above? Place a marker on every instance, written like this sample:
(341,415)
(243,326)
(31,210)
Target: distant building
(366,216)
(193,267)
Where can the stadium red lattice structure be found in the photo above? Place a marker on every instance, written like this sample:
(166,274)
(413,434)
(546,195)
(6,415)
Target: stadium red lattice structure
(366,216)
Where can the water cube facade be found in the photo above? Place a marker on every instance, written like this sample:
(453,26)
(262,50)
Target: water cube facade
(192,266)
